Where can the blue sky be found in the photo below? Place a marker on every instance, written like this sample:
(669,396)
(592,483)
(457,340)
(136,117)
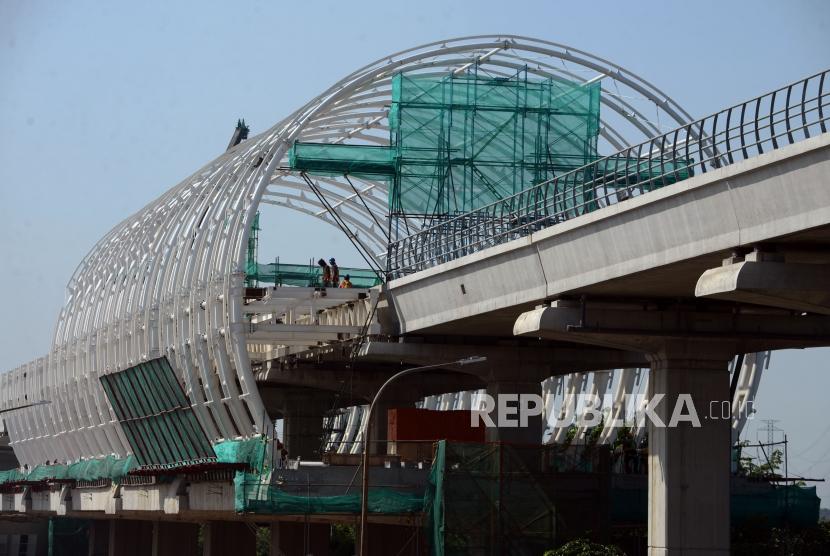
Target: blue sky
(104,106)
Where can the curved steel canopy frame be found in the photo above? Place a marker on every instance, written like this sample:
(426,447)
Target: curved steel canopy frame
(168,280)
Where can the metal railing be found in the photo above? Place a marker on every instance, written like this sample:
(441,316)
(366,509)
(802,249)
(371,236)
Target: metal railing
(782,117)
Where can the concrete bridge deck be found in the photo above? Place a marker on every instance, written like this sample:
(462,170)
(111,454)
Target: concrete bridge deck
(653,246)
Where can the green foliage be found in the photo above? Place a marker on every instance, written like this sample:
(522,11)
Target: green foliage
(569,436)
(343,539)
(624,438)
(263,541)
(592,434)
(584,547)
(758,538)
(769,468)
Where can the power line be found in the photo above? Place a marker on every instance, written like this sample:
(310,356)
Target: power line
(815,442)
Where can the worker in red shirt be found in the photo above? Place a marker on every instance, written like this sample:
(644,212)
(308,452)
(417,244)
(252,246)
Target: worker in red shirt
(325,272)
(335,273)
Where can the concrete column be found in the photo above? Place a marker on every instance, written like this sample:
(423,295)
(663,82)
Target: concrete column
(171,538)
(130,537)
(507,395)
(688,466)
(288,538)
(223,538)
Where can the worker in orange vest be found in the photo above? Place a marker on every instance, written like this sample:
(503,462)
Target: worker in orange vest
(346,283)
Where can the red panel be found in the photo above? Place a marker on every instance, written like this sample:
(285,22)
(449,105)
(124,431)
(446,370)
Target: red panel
(410,423)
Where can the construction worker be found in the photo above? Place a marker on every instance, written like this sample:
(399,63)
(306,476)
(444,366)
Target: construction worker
(335,272)
(325,272)
(346,283)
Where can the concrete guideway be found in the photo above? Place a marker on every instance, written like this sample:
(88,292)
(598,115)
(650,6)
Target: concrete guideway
(655,245)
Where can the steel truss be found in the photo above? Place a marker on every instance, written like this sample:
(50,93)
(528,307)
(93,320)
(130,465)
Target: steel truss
(169,279)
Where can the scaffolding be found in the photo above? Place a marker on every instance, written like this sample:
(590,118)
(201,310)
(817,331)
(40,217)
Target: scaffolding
(460,142)
(486,499)
(301,275)
(304,275)
(251,266)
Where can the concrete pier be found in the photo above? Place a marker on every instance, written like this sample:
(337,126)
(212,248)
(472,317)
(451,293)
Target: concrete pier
(689,466)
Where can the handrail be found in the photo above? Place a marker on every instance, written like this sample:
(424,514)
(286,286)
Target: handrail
(782,117)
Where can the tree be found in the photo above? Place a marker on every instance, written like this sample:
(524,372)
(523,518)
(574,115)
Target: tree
(767,470)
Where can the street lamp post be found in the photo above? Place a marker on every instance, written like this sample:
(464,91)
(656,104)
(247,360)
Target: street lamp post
(367,430)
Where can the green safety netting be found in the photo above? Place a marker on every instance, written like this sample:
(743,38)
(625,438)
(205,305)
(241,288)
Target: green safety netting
(249,450)
(462,142)
(777,505)
(618,172)
(109,467)
(434,499)
(794,505)
(252,452)
(307,275)
(255,494)
(458,142)
(11,476)
(381,501)
(339,159)
(483,499)
(47,472)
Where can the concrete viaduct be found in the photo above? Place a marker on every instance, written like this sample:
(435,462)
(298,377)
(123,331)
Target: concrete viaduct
(697,245)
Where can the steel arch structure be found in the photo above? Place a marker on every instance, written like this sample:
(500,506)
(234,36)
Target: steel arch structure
(169,279)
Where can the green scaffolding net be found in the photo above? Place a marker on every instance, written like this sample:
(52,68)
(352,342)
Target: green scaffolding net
(459,142)
(255,491)
(273,500)
(11,476)
(248,451)
(298,275)
(462,142)
(110,467)
(307,275)
(485,499)
(332,159)
(778,505)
